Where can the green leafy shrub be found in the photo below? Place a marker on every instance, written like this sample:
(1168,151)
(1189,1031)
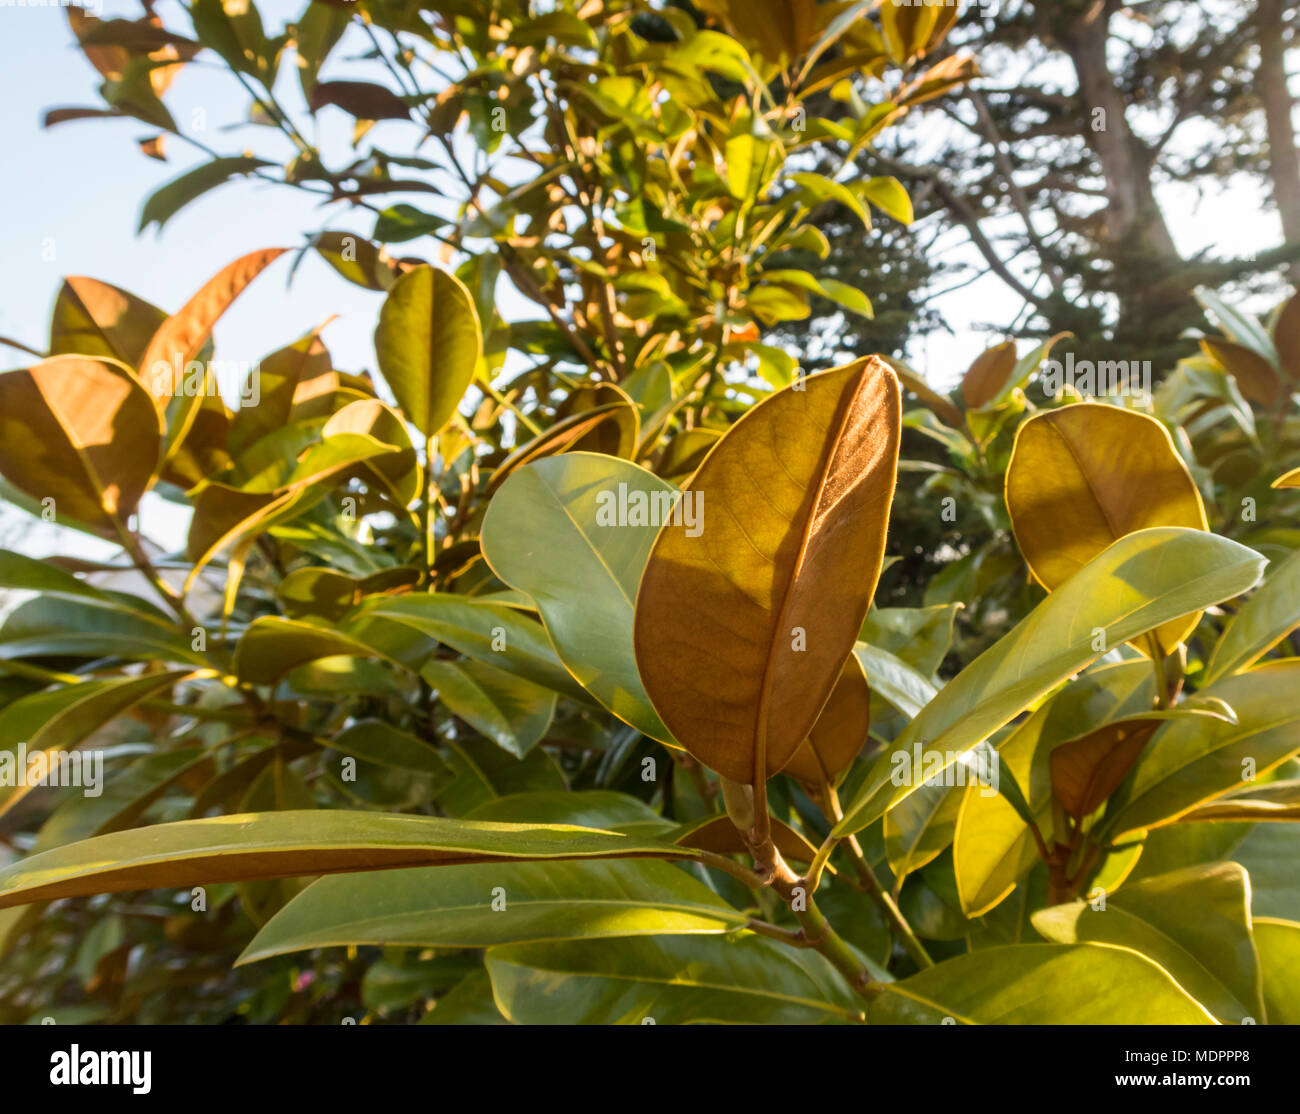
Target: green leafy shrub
(475,680)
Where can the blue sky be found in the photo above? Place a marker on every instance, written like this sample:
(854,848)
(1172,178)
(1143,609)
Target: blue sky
(74,194)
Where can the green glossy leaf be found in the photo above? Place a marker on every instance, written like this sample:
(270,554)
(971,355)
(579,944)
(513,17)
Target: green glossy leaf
(553,530)
(1240,327)
(1194,923)
(674,980)
(889,196)
(514,713)
(490,632)
(296,843)
(1040,984)
(500,903)
(1270,614)
(60,718)
(405,222)
(428,342)
(1194,758)
(374,740)
(895,680)
(1278,943)
(1139,582)
(586,808)
(921,636)
(993,848)
(88,627)
(166,202)
(816,188)
(272,646)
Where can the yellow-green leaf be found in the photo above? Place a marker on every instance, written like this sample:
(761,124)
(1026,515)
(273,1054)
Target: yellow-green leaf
(296,843)
(428,343)
(1040,984)
(1195,923)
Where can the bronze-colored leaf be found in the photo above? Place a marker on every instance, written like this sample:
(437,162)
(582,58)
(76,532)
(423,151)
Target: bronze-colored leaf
(93,318)
(363,99)
(610,429)
(987,374)
(1286,338)
(1256,377)
(1087,770)
(721,836)
(278,378)
(939,79)
(182,336)
(82,432)
(744,622)
(1084,476)
(840,732)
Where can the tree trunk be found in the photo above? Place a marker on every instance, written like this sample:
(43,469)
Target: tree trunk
(1136,240)
(1284,161)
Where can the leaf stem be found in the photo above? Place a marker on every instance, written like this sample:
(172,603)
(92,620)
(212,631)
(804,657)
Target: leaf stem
(871,886)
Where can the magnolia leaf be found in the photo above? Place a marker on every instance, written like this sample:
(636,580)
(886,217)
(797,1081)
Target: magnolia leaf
(166,366)
(398,475)
(1255,375)
(736,978)
(81,436)
(363,99)
(457,907)
(503,636)
(1278,944)
(1195,758)
(272,646)
(182,336)
(1087,770)
(1266,618)
(428,343)
(612,428)
(987,375)
(840,732)
(1194,923)
(296,843)
(1286,337)
(743,626)
(1139,582)
(514,713)
(816,188)
(721,836)
(993,847)
(93,318)
(1040,984)
(1085,475)
(574,533)
(167,201)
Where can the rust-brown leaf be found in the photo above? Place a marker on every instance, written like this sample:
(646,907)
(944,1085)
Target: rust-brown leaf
(986,375)
(1256,377)
(840,732)
(1087,770)
(81,432)
(742,629)
(93,318)
(182,336)
(1286,338)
